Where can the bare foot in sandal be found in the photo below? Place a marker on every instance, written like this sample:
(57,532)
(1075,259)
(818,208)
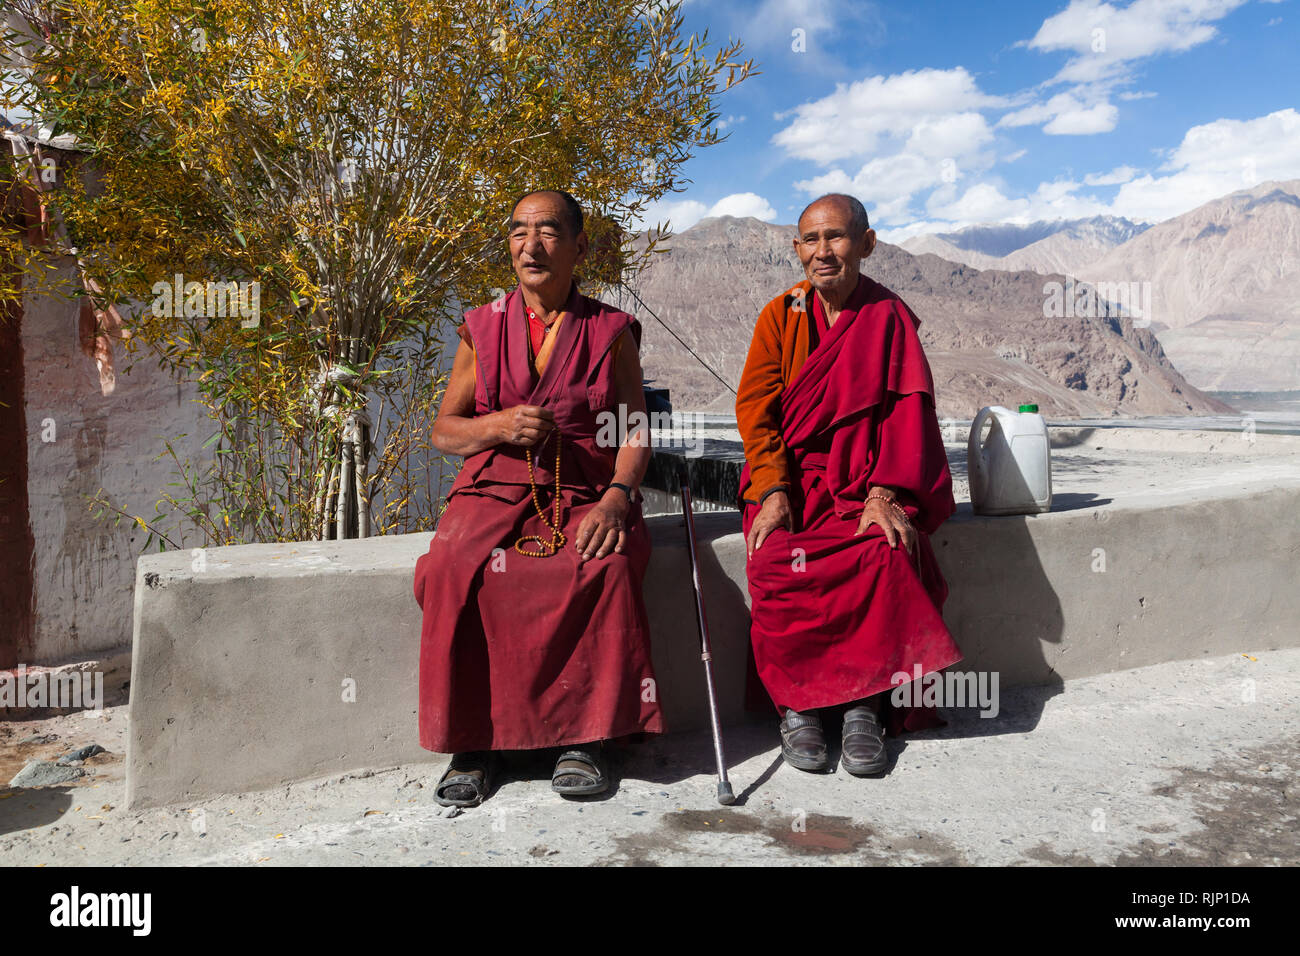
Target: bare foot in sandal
(467,780)
(579,771)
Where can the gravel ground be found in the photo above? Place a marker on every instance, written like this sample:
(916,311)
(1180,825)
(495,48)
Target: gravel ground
(1180,763)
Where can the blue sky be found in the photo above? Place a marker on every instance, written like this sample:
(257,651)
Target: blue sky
(939,115)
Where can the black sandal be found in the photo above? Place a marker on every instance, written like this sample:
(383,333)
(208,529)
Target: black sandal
(471,775)
(597,782)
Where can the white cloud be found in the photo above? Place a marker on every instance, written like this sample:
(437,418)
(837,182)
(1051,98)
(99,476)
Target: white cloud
(1082,122)
(929,106)
(1107,40)
(678,213)
(1065,114)
(743,204)
(681,214)
(915,131)
(982,202)
(1215,159)
(903,233)
(985,202)
(1106,37)
(774,22)
(1118,175)
(1212,160)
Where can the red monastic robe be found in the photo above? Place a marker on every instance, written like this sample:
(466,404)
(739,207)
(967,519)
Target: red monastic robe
(516,652)
(835,617)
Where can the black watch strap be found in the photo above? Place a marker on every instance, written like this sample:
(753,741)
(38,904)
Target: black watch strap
(626,490)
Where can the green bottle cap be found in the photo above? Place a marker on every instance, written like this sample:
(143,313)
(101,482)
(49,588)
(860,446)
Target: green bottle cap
(1029,408)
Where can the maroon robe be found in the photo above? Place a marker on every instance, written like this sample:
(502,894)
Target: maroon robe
(516,652)
(836,616)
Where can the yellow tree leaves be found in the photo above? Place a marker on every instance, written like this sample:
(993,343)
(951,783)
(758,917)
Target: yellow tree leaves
(358,161)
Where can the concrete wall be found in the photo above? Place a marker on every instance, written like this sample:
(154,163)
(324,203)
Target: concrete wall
(241,668)
(80,441)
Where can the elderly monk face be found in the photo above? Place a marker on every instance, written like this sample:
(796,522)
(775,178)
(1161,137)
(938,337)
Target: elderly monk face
(544,246)
(829,250)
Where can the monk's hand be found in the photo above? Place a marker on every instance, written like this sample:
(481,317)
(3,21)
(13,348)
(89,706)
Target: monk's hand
(601,531)
(774,514)
(895,523)
(525,425)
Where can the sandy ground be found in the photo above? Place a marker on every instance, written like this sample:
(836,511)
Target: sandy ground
(1180,763)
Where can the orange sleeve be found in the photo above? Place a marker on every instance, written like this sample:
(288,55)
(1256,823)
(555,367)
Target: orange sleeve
(757,407)
(462,331)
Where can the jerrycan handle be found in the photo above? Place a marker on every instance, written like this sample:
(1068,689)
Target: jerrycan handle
(974,446)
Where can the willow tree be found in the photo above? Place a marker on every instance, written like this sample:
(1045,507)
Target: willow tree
(292,199)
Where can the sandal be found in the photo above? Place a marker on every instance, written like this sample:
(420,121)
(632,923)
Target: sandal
(584,765)
(467,781)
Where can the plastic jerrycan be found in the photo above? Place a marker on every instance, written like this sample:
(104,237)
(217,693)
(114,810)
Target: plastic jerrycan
(1010,472)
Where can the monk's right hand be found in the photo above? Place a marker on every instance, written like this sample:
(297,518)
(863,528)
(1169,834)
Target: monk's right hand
(774,514)
(525,425)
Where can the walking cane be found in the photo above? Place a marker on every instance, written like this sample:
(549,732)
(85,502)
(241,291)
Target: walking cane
(725,796)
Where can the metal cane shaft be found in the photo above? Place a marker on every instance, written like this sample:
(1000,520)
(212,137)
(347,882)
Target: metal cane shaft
(706,654)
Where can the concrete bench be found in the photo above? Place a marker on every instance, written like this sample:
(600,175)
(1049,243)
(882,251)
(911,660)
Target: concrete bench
(276,662)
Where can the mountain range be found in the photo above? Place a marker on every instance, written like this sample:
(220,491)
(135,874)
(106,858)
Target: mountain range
(1223,279)
(1042,246)
(987,334)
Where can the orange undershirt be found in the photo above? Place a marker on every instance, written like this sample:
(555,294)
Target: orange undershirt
(783,336)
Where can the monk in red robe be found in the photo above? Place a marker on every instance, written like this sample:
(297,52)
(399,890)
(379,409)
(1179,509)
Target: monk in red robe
(535,631)
(844,479)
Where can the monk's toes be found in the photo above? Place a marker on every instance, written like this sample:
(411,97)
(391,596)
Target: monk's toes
(459,792)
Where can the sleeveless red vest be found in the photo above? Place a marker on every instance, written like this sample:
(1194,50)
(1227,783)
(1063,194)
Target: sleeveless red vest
(577,385)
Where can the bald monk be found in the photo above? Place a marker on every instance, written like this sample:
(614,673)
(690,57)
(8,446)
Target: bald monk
(535,631)
(844,479)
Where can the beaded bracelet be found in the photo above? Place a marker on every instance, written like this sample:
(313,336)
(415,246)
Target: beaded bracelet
(892,502)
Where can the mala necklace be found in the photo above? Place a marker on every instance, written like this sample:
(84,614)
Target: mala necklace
(546,548)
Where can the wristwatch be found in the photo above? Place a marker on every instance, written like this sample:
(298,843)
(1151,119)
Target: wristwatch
(624,488)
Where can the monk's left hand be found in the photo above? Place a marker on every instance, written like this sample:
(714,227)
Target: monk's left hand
(896,527)
(601,531)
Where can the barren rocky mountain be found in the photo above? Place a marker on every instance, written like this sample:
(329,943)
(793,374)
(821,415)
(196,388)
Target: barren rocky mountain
(938,246)
(1071,248)
(1064,245)
(1224,278)
(985,333)
(1225,287)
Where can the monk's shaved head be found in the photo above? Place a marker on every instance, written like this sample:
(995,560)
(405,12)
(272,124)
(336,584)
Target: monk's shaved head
(834,236)
(572,208)
(858,221)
